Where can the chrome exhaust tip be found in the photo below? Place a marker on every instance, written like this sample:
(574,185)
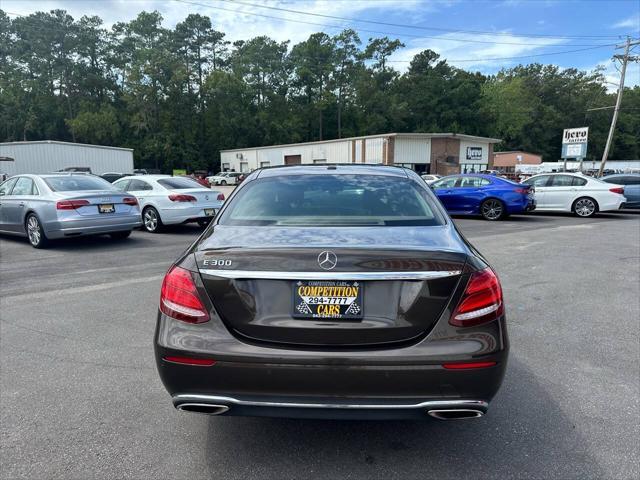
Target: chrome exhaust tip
(205,408)
(455,414)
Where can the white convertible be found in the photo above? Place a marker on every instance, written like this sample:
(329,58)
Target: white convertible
(574,192)
(166,200)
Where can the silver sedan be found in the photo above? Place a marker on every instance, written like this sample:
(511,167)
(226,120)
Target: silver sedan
(46,207)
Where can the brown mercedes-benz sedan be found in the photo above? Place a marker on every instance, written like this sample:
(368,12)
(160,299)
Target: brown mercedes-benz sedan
(341,291)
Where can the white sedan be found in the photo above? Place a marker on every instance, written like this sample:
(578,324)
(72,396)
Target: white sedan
(166,200)
(225,178)
(574,192)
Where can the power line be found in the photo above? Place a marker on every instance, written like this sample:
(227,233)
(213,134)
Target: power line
(405,61)
(418,27)
(396,34)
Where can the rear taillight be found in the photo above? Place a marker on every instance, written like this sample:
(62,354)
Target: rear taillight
(71,204)
(179,297)
(130,201)
(221,196)
(619,190)
(174,197)
(481,301)
(521,190)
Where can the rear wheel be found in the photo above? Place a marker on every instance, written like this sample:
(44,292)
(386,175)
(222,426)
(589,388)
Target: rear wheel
(492,209)
(223,182)
(36,235)
(151,220)
(585,207)
(120,235)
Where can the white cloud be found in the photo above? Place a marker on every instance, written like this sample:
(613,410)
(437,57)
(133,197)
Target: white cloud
(480,54)
(632,22)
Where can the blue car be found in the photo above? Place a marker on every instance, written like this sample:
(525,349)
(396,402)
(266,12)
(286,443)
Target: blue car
(487,195)
(631,184)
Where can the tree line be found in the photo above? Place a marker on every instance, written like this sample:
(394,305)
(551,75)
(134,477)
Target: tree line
(179,96)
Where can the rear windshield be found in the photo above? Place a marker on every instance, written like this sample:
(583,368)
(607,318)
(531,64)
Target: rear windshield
(73,183)
(177,183)
(332,200)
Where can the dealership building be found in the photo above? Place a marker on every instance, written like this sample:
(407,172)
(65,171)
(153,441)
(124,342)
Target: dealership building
(47,156)
(441,153)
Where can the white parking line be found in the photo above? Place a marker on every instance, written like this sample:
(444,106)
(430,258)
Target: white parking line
(74,290)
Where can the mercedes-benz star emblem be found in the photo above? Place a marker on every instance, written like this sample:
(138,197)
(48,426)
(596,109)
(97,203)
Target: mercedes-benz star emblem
(327,260)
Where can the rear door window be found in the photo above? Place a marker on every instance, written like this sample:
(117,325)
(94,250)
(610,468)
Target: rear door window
(179,183)
(332,200)
(561,181)
(579,182)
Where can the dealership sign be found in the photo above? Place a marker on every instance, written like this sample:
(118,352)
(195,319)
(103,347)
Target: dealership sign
(574,142)
(474,153)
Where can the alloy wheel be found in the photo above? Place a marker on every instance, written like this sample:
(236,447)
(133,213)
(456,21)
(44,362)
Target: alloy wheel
(150,220)
(492,209)
(585,207)
(33,230)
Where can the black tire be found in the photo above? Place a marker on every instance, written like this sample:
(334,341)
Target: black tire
(151,220)
(120,235)
(35,233)
(585,207)
(223,182)
(492,209)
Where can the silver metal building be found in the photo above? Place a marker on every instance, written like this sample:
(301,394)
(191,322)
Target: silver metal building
(442,153)
(49,156)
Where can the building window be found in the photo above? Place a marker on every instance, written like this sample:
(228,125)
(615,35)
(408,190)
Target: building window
(244,166)
(265,164)
(226,167)
(320,160)
(406,165)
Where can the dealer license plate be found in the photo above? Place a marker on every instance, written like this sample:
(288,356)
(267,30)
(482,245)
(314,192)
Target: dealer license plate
(106,208)
(328,300)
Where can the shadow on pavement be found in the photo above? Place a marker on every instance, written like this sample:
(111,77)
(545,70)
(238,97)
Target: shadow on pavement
(525,435)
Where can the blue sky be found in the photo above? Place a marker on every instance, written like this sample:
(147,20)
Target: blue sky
(514,28)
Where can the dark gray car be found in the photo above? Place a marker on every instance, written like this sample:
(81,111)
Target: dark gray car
(333,292)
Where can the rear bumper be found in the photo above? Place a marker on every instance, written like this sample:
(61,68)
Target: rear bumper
(403,382)
(172,216)
(353,409)
(69,228)
(613,204)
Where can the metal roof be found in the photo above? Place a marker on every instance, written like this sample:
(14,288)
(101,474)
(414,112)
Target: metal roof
(56,142)
(380,135)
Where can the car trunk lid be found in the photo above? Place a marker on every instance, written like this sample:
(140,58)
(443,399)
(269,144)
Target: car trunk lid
(252,277)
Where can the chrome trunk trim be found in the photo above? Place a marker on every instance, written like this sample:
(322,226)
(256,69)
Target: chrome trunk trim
(279,275)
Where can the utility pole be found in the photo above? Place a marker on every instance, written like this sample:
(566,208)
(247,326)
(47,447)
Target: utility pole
(625,59)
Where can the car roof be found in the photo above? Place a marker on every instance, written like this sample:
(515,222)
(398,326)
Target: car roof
(622,175)
(332,169)
(145,177)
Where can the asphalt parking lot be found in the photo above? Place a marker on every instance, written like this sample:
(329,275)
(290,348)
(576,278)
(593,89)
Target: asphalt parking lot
(80,396)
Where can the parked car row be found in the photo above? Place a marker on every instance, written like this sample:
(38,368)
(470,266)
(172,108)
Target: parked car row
(60,205)
(495,197)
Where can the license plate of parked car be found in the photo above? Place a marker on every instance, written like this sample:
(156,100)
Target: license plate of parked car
(106,208)
(320,299)
(209,212)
